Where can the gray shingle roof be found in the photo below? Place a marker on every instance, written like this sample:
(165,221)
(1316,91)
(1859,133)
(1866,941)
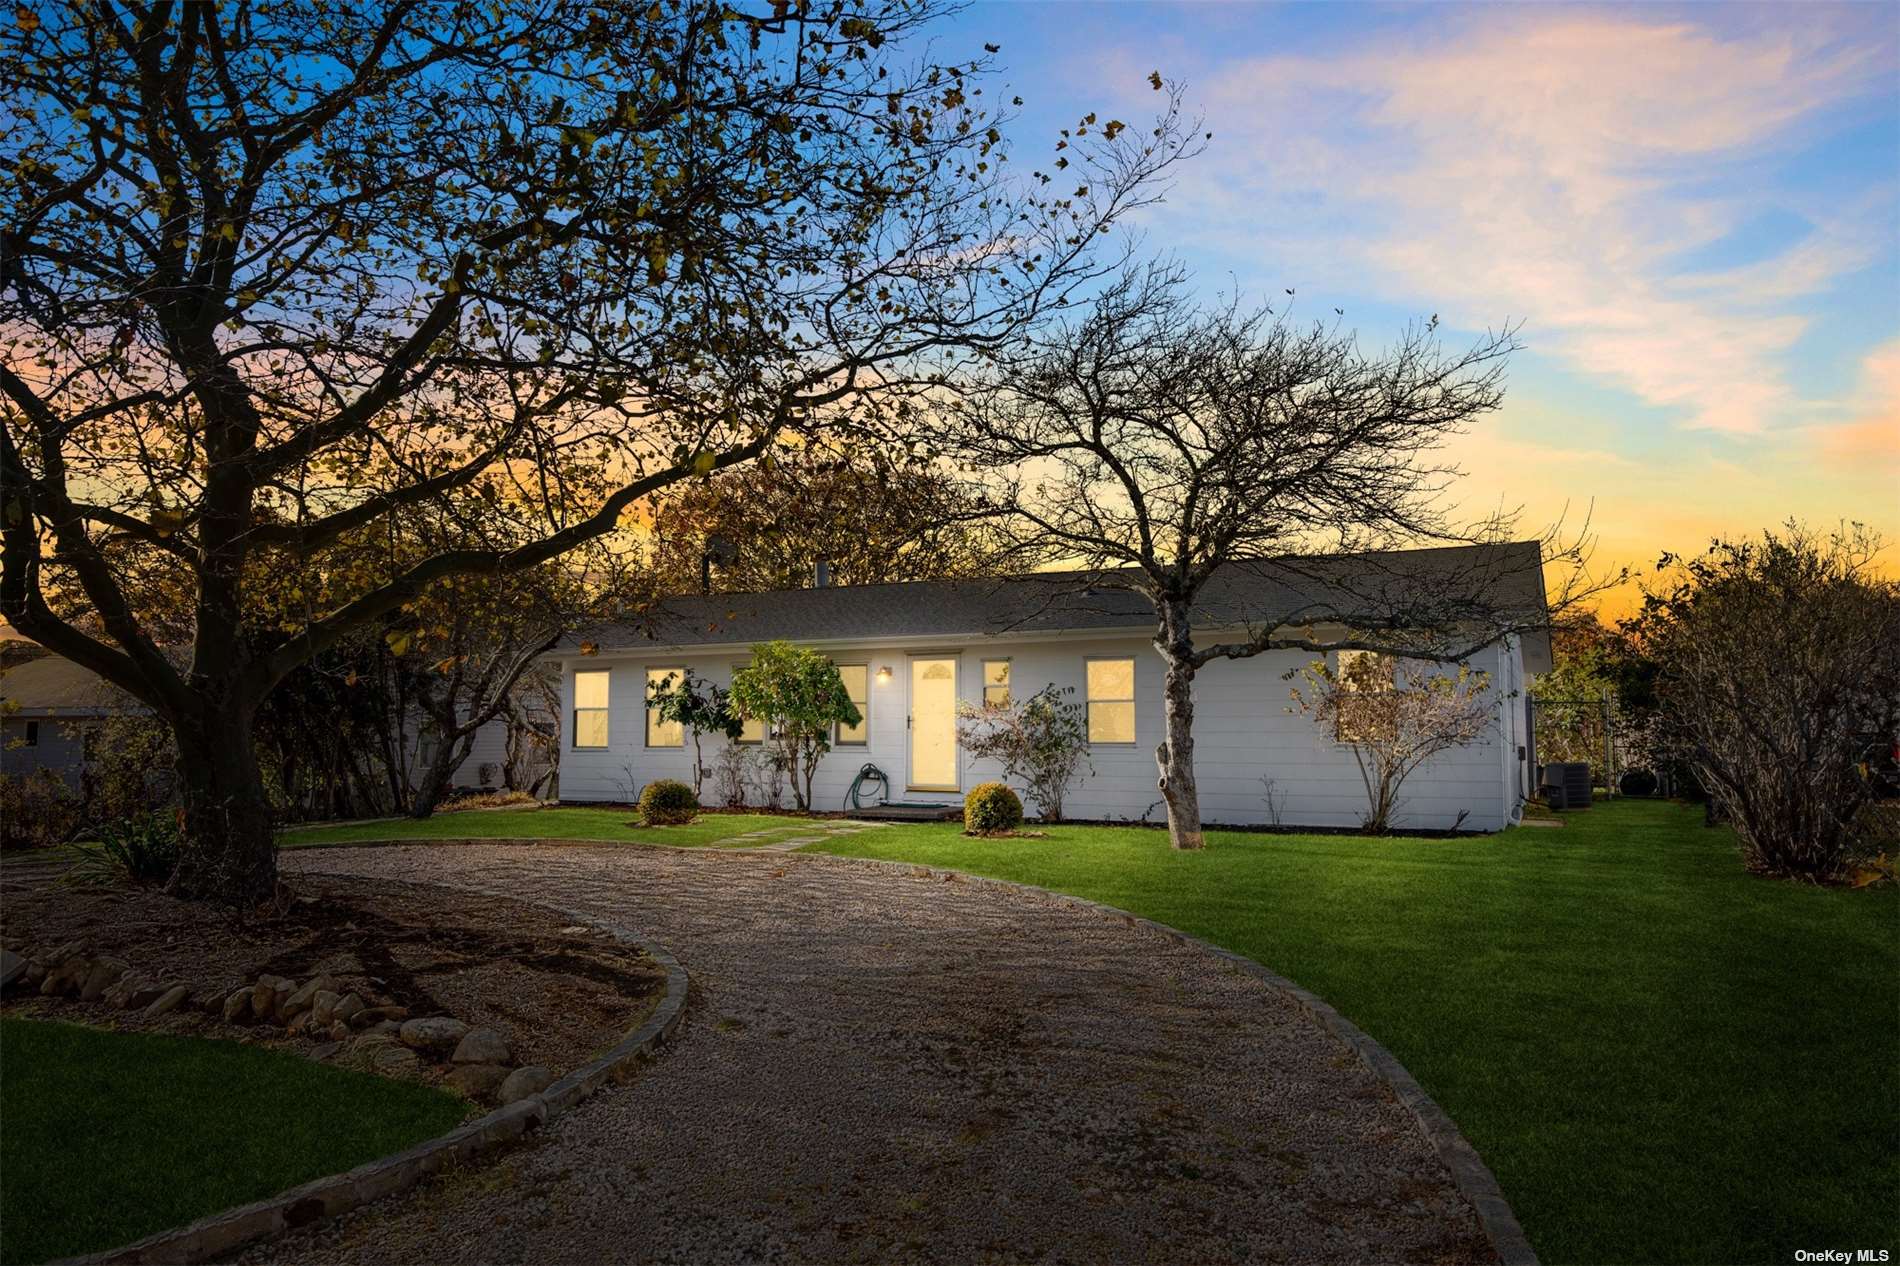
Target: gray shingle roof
(50,684)
(1430,584)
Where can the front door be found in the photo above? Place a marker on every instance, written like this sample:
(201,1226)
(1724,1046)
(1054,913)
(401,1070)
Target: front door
(933,725)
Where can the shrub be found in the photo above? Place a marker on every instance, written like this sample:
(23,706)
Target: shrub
(990,809)
(142,849)
(37,810)
(1041,741)
(668,802)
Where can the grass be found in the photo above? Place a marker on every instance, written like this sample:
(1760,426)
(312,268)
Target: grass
(1662,1058)
(111,1136)
(615,825)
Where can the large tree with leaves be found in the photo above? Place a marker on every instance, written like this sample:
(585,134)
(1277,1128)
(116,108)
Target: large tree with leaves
(276,270)
(1242,472)
(870,514)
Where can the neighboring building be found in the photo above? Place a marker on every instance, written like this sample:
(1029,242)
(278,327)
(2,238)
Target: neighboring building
(911,653)
(50,711)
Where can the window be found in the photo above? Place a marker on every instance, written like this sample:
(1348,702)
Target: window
(1365,686)
(996,682)
(754,731)
(857,684)
(590,708)
(1111,700)
(32,733)
(663,733)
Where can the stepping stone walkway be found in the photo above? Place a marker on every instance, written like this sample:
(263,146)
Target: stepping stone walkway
(803,833)
(877,1065)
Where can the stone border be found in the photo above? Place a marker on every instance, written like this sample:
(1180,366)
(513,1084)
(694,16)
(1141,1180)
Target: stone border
(321,1198)
(1469,1173)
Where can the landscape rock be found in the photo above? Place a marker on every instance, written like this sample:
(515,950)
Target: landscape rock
(437,1034)
(70,950)
(12,967)
(35,973)
(104,973)
(395,1059)
(165,1003)
(346,1007)
(325,1051)
(523,1082)
(238,1005)
(365,1042)
(304,1019)
(385,1028)
(322,1007)
(375,1015)
(482,1046)
(339,1031)
(303,999)
(477,1081)
(264,996)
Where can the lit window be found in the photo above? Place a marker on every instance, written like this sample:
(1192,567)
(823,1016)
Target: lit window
(857,684)
(1365,685)
(663,733)
(996,682)
(1111,700)
(590,708)
(754,729)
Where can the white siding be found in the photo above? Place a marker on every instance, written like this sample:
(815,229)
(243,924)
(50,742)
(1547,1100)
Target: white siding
(1243,729)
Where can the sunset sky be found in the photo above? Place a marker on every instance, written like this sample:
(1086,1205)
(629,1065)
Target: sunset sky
(1692,211)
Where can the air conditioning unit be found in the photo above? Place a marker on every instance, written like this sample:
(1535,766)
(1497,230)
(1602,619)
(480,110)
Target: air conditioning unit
(1565,785)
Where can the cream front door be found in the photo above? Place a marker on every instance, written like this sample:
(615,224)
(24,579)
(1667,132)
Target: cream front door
(933,725)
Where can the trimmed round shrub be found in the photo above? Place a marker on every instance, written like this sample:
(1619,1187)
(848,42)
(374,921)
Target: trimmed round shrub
(990,809)
(668,802)
(1637,782)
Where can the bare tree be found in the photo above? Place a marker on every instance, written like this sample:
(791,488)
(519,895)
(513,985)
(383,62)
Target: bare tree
(274,273)
(1223,464)
(1395,715)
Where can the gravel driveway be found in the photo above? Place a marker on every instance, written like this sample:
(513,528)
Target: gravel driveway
(878,1067)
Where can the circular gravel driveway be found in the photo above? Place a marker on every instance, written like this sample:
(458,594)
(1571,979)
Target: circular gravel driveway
(880,1067)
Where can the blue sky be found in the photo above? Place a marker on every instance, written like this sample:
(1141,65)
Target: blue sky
(1691,209)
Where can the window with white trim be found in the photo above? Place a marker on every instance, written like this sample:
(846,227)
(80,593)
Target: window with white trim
(857,684)
(590,708)
(753,731)
(996,683)
(1111,700)
(661,733)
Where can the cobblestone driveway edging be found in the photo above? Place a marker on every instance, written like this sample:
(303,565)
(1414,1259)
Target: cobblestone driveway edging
(1469,1173)
(221,1233)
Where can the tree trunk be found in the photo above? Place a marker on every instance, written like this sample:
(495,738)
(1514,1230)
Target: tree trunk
(1175,755)
(227,852)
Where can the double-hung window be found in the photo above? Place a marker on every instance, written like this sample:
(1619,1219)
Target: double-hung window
(753,731)
(590,708)
(857,684)
(661,733)
(996,683)
(1111,700)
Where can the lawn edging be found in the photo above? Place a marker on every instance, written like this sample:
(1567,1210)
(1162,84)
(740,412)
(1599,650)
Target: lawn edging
(1469,1173)
(221,1233)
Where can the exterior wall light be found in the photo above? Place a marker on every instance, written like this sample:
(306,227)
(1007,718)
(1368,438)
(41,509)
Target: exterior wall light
(884,675)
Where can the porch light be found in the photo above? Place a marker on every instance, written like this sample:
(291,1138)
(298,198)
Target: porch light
(884,674)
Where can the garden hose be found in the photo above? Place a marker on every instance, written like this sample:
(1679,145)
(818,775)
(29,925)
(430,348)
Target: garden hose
(870,773)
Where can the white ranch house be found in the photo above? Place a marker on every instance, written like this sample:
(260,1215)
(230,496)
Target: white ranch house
(910,653)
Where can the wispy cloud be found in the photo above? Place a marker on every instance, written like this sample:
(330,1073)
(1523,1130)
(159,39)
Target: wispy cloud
(1557,167)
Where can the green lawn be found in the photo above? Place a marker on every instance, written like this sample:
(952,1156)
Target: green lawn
(106,1137)
(548,824)
(1661,1057)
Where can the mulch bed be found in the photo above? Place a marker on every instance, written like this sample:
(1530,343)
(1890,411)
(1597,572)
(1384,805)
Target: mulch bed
(559,993)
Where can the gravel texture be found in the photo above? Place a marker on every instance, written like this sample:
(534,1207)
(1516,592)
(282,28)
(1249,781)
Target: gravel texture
(879,1067)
